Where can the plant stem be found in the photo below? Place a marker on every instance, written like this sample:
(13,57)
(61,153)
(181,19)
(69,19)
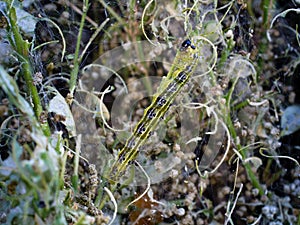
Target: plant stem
(74,72)
(247,166)
(22,48)
(225,110)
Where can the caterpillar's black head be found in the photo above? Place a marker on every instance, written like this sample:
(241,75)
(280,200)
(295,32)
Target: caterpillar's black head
(187,43)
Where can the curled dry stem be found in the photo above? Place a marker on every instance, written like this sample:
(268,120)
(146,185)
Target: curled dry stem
(282,14)
(93,37)
(115,204)
(109,69)
(223,158)
(278,157)
(147,188)
(230,211)
(215,54)
(210,110)
(62,37)
(106,91)
(143,19)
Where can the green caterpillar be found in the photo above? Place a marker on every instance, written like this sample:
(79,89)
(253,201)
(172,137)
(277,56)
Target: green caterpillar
(183,67)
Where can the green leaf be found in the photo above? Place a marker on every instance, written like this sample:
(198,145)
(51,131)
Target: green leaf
(10,87)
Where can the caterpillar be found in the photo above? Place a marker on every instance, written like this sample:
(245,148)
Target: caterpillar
(184,64)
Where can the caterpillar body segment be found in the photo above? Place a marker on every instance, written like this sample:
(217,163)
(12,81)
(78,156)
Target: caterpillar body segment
(182,68)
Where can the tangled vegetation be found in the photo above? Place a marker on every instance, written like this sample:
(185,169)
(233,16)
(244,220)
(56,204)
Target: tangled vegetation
(76,77)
